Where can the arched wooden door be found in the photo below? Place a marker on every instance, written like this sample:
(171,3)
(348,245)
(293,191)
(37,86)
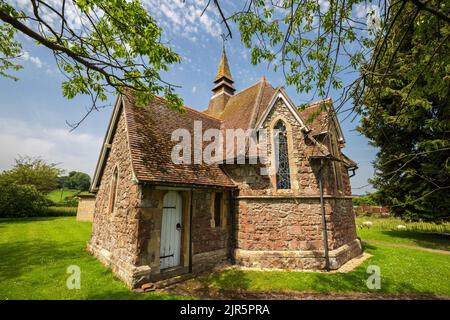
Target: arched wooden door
(170,249)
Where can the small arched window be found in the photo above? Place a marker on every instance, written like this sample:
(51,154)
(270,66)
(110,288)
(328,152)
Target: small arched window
(281,156)
(113,191)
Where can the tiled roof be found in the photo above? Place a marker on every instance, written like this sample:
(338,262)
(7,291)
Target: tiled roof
(316,116)
(150,129)
(266,96)
(245,107)
(347,161)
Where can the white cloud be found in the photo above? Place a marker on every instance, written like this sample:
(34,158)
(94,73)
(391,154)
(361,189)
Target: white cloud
(175,16)
(185,18)
(369,12)
(34,60)
(72,15)
(244,53)
(72,150)
(194,89)
(25,55)
(373,18)
(324,5)
(360,10)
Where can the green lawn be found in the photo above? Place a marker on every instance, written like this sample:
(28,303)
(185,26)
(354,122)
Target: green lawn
(59,196)
(402,271)
(61,208)
(35,254)
(384,229)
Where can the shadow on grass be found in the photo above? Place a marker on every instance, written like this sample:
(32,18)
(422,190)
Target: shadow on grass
(129,295)
(356,281)
(20,256)
(427,240)
(42,264)
(4,221)
(368,246)
(243,280)
(231,280)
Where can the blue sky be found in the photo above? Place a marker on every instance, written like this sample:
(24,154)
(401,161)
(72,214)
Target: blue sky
(34,112)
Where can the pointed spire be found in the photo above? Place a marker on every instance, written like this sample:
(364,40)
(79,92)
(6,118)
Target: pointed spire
(224,69)
(223,86)
(223,83)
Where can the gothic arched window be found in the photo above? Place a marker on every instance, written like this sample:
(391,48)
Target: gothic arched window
(113,190)
(281,156)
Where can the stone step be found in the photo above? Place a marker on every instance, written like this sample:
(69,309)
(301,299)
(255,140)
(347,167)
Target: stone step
(173,280)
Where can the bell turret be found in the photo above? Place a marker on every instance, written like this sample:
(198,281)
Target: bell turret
(223,87)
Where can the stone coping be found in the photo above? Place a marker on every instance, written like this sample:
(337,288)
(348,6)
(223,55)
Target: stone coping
(298,259)
(85,195)
(299,253)
(349,266)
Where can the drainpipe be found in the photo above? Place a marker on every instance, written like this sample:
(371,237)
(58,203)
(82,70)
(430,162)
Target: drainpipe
(324,220)
(190,231)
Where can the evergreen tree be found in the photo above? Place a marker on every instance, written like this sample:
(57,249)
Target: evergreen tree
(406,114)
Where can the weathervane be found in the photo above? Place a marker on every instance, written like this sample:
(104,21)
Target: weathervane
(224,39)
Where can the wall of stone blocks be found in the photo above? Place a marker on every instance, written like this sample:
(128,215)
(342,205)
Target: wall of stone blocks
(86,208)
(288,234)
(114,233)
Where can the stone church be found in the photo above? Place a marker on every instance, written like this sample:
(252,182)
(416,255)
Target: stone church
(155,219)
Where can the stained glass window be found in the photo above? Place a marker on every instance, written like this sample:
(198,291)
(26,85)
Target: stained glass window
(281,156)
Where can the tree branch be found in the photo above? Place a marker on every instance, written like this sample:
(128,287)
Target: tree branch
(423,6)
(51,45)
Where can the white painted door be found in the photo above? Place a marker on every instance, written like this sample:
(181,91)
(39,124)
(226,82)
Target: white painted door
(171,230)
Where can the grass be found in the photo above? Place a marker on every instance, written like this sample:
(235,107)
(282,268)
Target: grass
(35,254)
(85,193)
(58,211)
(63,205)
(392,223)
(57,196)
(385,229)
(402,271)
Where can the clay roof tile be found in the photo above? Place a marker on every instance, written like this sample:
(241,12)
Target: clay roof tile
(150,138)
